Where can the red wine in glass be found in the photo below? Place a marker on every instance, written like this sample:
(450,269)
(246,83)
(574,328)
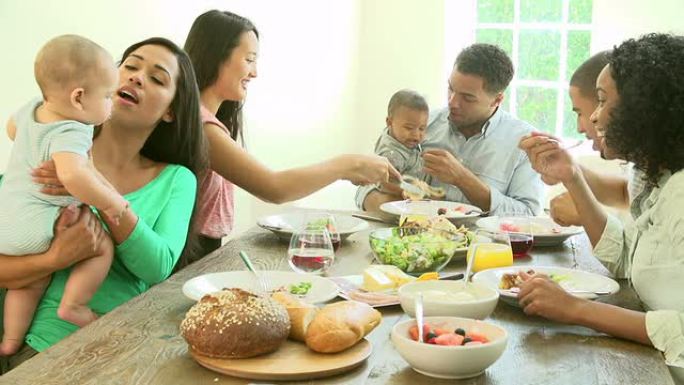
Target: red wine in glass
(311,260)
(520,244)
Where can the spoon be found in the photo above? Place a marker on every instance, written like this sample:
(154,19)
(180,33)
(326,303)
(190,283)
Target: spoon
(260,281)
(469,264)
(419,316)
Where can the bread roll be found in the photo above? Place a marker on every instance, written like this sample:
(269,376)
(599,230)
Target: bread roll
(341,325)
(234,323)
(301,314)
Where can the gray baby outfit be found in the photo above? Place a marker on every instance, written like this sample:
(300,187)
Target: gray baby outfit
(27,216)
(408,161)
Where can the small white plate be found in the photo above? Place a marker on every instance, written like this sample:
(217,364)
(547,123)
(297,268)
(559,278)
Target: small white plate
(430,208)
(322,289)
(546,232)
(576,280)
(283,225)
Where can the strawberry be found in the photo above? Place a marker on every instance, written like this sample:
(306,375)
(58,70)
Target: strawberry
(450,339)
(476,337)
(413,332)
(439,331)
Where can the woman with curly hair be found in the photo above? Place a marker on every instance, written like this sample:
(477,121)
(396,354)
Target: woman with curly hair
(641,118)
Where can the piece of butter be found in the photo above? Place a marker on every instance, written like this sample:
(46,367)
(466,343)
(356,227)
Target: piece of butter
(376,280)
(395,274)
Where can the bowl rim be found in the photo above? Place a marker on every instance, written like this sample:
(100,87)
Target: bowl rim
(372,233)
(495,296)
(503,340)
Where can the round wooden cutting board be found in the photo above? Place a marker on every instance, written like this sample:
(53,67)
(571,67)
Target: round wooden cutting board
(293,361)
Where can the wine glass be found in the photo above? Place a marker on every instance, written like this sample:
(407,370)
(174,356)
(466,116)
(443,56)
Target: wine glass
(311,251)
(490,249)
(519,228)
(326,221)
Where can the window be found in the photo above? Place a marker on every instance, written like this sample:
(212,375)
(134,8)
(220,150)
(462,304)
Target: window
(547,40)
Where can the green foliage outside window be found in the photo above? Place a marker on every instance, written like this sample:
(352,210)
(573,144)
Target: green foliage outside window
(538,55)
(541,11)
(494,11)
(579,43)
(502,38)
(580,11)
(537,106)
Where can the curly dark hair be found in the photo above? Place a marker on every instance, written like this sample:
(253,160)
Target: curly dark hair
(489,62)
(647,124)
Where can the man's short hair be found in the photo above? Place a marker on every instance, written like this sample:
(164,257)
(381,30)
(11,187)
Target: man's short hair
(406,98)
(584,77)
(489,62)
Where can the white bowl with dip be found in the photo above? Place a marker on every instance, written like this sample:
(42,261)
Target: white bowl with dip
(449,298)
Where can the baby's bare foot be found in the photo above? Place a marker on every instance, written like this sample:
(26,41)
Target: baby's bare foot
(10,346)
(76,314)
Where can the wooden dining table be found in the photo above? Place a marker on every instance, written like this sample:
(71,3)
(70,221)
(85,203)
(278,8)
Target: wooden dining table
(139,342)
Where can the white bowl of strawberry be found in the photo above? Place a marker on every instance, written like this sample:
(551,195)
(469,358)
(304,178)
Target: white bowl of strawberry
(453,348)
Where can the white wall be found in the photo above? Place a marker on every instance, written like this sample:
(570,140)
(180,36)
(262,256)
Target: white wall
(618,20)
(326,68)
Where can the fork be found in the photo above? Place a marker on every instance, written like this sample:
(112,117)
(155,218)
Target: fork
(261,281)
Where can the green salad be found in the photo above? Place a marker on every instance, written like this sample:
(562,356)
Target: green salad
(417,251)
(301,288)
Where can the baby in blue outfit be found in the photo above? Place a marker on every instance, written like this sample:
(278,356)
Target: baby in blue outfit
(77,79)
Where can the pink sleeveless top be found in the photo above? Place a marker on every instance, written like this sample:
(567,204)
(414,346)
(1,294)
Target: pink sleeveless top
(215,210)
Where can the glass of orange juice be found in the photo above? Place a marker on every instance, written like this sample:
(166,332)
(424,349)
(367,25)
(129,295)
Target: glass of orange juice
(490,249)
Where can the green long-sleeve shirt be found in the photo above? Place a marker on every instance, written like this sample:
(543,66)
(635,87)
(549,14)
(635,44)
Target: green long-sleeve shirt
(164,207)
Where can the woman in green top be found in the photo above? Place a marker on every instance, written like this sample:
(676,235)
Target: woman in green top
(641,118)
(151,151)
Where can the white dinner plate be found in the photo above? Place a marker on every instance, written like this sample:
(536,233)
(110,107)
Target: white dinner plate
(573,280)
(283,225)
(430,208)
(322,289)
(546,232)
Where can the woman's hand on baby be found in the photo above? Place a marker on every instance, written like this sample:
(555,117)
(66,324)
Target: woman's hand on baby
(78,233)
(368,169)
(46,175)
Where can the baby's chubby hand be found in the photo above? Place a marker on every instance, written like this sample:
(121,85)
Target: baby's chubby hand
(115,212)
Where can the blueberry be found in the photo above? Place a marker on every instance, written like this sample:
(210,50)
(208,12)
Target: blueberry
(466,340)
(441,211)
(431,335)
(460,331)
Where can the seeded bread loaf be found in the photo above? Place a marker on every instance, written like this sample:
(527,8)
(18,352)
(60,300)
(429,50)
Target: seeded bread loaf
(234,323)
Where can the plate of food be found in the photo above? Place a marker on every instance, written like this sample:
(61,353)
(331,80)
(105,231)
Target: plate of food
(309,288)
(576,282)
(379,284)
(451,210)
(283,225)
(277,337)
(544,230)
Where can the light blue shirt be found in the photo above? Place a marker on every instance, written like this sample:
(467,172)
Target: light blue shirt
(493,156)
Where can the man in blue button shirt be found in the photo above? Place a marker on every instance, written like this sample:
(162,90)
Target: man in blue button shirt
(471,145)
